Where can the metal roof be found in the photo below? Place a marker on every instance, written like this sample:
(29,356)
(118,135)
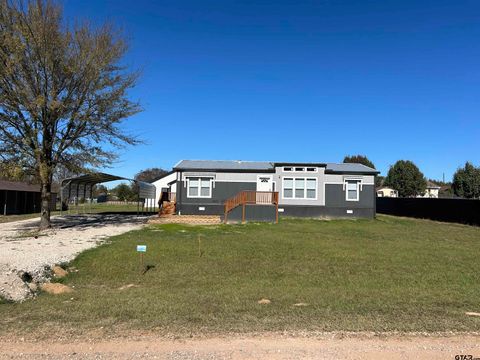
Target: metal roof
(266,166)
(92,179)
(234,165)
(350,168)
(146,190)
(19,186)
(432,185)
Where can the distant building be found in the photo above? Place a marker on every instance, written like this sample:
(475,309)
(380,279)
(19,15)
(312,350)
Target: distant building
(385,191)
(431,191)
(21,198)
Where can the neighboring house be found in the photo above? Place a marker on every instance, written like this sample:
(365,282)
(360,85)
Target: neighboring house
(21,198)
(431,191)
(385,191)
(165,183)
(255,190)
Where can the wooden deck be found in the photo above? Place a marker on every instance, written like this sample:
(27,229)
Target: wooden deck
(244,198)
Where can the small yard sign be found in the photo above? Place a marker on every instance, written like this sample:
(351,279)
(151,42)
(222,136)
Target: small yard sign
(142,249)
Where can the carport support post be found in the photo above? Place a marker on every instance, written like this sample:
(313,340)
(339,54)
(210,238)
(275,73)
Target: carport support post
(91,196)
(84,198)
(76,196)
(138,201)
(69,193)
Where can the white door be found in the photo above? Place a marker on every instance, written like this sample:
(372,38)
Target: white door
(264,183)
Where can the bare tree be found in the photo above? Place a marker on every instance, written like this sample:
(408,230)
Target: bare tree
(63,92)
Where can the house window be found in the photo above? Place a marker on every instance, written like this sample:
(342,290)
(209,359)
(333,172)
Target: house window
(311,188)
(299,188)
(300,169)
(352,190)
(288,188)
(199,187)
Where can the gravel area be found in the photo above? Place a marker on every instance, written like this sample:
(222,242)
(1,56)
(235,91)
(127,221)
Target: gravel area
(248,347)
(24,252)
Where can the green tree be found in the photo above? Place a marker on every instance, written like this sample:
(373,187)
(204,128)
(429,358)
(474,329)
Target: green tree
(63,92)
(13,172)
(406,178)
(466,182)
(362,159)
(99,189)
(148,175)
(124,192)
(359,159)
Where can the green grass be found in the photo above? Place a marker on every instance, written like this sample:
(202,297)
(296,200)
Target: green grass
(389,274)
(81,209)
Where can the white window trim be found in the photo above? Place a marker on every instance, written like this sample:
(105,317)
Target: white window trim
(210,181)
(359,188)
(294,178)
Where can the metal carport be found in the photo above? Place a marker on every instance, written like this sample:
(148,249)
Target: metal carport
(81,187)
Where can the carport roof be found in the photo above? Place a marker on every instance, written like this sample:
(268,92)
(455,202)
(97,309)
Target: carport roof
(145,190)
(92,179)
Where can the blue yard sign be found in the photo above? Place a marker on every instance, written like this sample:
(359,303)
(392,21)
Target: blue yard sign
(142,248)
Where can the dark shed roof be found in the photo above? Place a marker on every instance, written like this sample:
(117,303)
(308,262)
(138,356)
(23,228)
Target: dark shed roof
(19,186)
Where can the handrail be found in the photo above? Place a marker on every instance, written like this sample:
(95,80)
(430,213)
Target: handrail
(250,197)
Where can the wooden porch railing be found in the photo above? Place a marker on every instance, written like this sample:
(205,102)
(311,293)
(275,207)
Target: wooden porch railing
(244,198)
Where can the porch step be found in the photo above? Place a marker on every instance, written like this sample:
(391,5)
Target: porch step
(168,208)
(187,219)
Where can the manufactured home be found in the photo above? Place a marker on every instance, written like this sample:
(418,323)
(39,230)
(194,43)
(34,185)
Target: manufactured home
(262,191)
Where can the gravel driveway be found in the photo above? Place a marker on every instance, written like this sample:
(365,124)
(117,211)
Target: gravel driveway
(275,347)
(24,250)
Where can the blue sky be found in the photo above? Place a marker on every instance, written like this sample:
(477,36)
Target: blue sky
(300,80)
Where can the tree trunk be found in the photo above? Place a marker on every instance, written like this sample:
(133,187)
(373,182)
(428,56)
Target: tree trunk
(46,198)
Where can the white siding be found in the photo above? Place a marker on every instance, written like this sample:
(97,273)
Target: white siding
(163,183)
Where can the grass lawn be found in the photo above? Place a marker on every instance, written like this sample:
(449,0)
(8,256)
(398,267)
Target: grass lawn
(82,208)
(367,275)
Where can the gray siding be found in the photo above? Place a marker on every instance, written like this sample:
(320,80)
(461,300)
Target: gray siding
(214,205)
(324,212)
(264,213)
(319,176)
(330,201)
(335,197)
